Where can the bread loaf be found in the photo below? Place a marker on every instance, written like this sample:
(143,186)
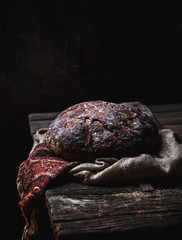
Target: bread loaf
(93,129)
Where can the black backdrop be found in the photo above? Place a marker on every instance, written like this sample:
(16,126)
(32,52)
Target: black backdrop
(56,53)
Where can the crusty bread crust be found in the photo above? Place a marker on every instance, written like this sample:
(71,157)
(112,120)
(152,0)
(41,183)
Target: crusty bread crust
(93,129)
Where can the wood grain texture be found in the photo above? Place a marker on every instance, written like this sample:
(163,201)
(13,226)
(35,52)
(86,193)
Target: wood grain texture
(166,107)
(79,209)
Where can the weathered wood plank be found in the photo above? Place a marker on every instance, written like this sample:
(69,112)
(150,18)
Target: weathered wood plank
(79,209)
(43,116)
(166,107)
(170,120)
(36,125)
(180,135)
(176,128)
(167,115)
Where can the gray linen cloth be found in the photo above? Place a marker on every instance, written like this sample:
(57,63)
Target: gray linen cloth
(168,163)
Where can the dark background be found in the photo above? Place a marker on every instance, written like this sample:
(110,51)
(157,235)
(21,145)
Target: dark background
(56,53)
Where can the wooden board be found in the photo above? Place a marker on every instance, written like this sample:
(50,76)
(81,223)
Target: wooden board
(80,209)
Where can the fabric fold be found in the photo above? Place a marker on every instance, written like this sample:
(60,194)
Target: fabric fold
(167,163)
(35,174)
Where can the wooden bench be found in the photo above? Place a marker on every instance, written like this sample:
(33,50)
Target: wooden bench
(80,209)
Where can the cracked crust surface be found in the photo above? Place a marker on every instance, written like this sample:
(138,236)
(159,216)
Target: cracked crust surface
(95,129)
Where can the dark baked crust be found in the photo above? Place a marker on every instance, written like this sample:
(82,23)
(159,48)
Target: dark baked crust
(95,129)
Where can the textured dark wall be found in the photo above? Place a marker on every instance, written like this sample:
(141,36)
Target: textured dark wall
(56,53)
